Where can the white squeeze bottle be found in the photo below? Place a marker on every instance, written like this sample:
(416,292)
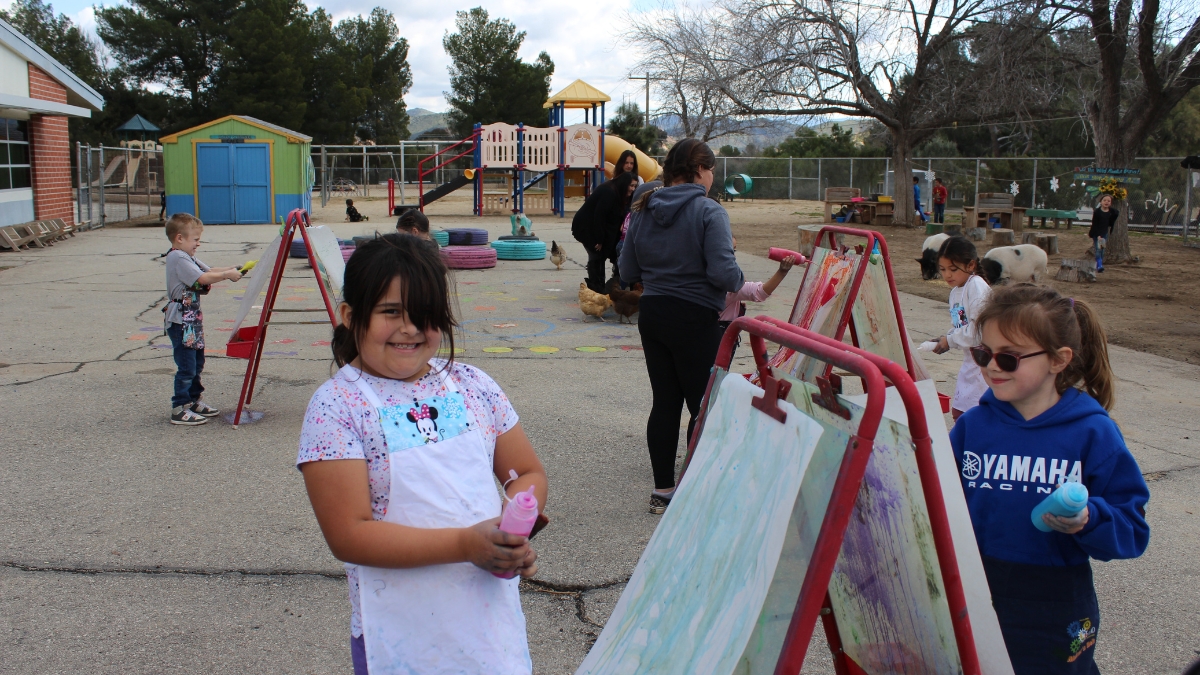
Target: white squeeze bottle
(520,515)
(1066,501)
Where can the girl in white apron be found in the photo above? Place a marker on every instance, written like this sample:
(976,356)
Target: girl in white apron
(400,453)
(958,263)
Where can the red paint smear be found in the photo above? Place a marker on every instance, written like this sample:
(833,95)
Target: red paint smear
(320,343)
(285,341)
(485,309)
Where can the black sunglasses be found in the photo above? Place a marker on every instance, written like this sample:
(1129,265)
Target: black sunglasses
(1007,361)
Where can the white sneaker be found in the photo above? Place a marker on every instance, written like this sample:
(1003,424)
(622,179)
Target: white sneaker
(183,415)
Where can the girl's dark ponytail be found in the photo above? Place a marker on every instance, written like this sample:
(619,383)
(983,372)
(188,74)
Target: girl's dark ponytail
(684,161)
(345,349)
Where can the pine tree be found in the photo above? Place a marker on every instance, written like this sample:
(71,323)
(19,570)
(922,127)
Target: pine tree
(488,81)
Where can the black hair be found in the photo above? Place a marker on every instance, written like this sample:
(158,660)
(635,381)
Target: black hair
(621,162)
(916,180)
(413,220)
(349,202)
(684,161)
(424,283)
(960,251)
(621,184)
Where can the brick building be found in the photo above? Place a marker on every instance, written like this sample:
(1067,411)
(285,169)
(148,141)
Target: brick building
(37,95)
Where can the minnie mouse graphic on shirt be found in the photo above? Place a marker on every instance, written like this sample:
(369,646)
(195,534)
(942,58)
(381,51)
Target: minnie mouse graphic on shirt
(430,420)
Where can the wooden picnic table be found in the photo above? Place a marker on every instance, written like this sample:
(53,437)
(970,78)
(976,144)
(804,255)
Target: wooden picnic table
(869,212)
(1052,214)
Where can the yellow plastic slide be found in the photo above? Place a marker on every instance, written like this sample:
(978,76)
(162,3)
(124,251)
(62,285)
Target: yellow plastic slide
(648,169)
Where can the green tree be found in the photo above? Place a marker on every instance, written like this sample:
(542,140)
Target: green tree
(629,124)
(262,72)
(838,142)
(177,44)
(335,101)
(488,81)
(378,59)
(729,151)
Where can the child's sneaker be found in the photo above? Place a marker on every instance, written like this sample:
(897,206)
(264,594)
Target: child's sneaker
(202,409)
(184,415)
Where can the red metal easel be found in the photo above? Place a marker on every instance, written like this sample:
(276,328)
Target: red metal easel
(247,342)
(877,373)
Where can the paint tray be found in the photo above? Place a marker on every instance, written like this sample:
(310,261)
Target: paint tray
(241,346)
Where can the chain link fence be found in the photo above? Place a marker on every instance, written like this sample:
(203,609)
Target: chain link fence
(1157,203)
(115,184)
(360,170)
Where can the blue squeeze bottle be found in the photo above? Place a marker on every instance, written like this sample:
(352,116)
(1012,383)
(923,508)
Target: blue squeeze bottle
(1066,501)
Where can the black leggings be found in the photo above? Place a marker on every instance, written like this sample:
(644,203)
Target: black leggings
(595,268)
(680,341)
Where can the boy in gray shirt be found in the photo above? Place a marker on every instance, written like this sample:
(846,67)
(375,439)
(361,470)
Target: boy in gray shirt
(187,280)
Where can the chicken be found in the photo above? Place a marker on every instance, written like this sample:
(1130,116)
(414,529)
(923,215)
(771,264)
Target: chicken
(625,303)
(593,303)
(557,255)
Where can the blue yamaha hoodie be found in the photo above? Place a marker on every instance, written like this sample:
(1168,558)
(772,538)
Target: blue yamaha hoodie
(1009,464)
(680,245)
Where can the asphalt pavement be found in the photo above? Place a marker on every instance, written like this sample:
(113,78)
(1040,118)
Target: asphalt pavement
(129,545)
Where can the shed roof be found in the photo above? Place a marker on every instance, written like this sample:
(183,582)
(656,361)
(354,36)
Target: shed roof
(79,93)
(578,94)
(292,136)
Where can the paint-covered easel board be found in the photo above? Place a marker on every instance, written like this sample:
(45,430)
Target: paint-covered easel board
(820,303)
(886,592)
(694,599)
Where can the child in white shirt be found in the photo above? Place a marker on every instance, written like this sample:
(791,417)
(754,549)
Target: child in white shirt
(958,263)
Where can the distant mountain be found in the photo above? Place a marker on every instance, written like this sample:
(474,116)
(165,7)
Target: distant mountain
(768,132)
(421,121)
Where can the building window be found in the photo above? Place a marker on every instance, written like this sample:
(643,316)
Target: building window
(14,154)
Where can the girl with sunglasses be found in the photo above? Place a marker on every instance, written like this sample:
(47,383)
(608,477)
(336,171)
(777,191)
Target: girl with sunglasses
(958,263)
(1043,422)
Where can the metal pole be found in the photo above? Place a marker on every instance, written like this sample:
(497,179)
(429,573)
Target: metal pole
(128,157)
(364,171)
(88,152)
(724,170)
(851,172)
(1033,192)
(1187,205)
(79,184)
(820,185)
(103,215)
(647,98)
(789,179)
(402,172)
(324,177)
(976,202)
(887,171)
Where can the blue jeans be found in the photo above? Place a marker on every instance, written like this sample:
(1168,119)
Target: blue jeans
(939,213)
(1099,252)
(188,363)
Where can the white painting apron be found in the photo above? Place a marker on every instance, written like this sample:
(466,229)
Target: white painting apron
(970,385)
(453,618)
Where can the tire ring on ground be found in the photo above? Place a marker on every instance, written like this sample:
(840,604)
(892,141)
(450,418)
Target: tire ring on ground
(519,250)
(469,257)
(347,251)
(468,236)
(298,250)
(442,237)
(518,237)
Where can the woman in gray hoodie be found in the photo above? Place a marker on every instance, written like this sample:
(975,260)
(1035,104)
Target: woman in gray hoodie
(680,248)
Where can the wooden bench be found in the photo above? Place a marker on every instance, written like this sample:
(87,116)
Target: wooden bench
(1054,215)
(839,196)
(998,204)
(17,237)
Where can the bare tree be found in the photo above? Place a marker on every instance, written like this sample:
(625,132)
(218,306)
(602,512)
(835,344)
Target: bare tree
(1133,69)
(683,86)
(913,68)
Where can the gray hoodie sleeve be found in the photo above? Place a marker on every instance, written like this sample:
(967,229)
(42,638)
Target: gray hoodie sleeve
(721,265)
(631,271)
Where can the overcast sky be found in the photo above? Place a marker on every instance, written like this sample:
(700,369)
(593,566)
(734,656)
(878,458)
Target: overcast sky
(584,38)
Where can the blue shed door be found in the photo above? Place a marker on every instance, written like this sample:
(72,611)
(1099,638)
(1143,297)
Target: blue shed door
(214,179)
(252,180)
(234,181)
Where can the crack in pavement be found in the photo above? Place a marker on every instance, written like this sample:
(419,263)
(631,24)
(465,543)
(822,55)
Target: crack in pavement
(78,365)
(578,593)
(159,569)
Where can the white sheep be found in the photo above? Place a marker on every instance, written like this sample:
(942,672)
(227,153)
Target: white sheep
(929,255)
(1015,264)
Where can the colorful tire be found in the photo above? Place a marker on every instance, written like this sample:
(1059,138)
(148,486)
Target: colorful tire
(467,236)
(347,251)
(518,237)
(298,250)
(469,257)
(519,250)
(442,237)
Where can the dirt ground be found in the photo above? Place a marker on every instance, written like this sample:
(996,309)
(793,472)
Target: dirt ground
(1149,306)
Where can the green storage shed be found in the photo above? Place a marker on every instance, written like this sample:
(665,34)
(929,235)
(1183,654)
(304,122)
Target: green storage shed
(237,169)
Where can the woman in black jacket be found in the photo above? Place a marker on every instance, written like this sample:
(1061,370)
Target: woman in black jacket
(597,225)
(1103,220)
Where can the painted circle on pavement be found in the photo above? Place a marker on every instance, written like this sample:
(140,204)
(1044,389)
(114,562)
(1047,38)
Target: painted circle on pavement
(497,350)
(542,349)
(591,349)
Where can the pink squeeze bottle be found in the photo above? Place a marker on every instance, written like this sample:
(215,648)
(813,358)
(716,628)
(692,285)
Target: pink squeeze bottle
(519,516)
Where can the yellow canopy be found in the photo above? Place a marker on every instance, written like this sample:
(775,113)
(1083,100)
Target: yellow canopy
(578,94)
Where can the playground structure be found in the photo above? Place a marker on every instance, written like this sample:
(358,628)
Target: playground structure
(519,169)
